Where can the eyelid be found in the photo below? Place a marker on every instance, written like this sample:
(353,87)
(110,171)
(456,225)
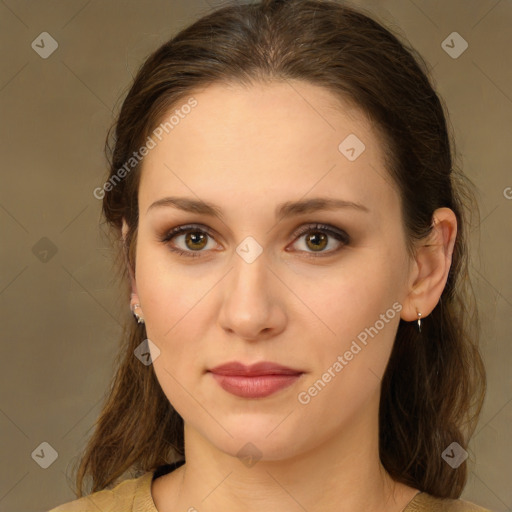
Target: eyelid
(183,228)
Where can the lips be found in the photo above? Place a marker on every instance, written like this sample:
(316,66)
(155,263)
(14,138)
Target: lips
(261,368)
(254,381)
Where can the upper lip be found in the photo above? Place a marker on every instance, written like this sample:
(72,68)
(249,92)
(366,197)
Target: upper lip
(261,368)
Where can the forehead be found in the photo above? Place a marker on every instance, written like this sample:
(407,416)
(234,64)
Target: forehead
(282,139)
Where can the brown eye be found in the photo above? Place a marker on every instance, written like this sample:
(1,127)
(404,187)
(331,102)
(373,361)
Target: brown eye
(317,238)
(195,240)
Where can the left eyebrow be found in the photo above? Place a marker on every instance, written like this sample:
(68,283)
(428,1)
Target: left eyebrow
(283,210)
(290,208)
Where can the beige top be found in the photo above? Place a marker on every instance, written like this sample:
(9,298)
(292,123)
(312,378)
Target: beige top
(134,495)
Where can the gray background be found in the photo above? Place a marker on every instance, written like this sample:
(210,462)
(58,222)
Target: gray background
(61,313)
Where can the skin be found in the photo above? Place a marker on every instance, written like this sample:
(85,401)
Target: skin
(247,150)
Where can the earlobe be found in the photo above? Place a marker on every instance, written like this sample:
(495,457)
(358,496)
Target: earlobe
(136,309)
(433,262)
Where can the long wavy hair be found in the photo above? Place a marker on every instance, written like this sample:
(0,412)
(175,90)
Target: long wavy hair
(434,384)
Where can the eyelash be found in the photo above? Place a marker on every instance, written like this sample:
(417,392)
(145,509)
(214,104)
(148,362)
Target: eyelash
(339,235)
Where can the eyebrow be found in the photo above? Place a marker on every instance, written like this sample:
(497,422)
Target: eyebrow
(283,210)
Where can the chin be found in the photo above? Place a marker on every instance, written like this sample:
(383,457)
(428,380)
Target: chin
(257,440)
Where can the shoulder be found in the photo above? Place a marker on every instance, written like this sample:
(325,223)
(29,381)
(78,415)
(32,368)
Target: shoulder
(129,495)
(426,502)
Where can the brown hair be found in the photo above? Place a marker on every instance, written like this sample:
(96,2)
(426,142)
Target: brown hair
(434,384)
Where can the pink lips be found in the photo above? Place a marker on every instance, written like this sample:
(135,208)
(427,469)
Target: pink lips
(255,381)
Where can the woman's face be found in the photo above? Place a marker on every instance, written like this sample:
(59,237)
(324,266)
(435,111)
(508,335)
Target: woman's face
(259,290)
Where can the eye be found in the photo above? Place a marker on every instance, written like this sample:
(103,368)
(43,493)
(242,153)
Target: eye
(318,237)
(196,239)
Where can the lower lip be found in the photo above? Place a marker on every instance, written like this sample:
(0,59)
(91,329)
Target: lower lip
(254,387)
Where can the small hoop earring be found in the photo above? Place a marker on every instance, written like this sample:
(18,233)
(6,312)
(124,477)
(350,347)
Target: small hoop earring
(419,322)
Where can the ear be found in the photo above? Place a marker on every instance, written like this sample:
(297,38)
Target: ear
(432,266)
(135,297)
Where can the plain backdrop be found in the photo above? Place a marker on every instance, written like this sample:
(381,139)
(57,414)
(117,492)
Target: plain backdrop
(61,314)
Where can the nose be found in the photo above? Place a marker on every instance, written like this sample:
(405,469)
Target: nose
(253,306)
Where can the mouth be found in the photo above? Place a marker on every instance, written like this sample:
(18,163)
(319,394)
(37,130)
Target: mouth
(254,381)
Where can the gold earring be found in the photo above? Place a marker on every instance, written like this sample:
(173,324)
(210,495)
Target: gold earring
(419,322)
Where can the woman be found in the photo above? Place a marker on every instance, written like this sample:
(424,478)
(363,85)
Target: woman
(294,239)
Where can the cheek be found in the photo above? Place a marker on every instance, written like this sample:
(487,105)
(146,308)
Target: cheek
(167,303)
(356,319)
(348,371)
(168,292)
(172,304)
(341,302)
